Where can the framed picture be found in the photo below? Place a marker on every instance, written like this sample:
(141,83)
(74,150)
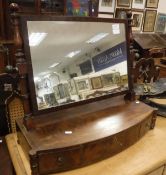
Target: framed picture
(96,82)
(106,6)
(138,4)
(152,3)
(149,21)
(124,79)
(121,13)
(160,23)
(82,85)
(56,91)
(124,3)
(77,8)
(105,15)
(108,79)
(137,17)
(116,78)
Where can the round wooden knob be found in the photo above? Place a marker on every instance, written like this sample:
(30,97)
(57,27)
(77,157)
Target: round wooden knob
(129,14)
(14,7)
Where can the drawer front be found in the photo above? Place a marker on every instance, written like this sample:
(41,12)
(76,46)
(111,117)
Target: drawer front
(59,160)
(145,126)
(132,135)
(96,151)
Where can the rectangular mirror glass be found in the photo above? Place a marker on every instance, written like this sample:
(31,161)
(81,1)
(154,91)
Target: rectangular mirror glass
(75,59)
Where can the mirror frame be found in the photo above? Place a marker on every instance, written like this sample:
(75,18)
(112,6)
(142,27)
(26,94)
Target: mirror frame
(26,47)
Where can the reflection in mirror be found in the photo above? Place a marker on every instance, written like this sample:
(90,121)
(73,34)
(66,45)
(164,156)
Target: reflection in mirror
(75,61)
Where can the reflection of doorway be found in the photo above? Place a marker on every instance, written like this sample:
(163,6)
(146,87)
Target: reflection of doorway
(107,3)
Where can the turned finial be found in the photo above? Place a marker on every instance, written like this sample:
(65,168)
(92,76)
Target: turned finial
(14,8)
(129,14)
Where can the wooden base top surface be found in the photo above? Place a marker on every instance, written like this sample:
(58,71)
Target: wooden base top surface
(146,155)
(70,132)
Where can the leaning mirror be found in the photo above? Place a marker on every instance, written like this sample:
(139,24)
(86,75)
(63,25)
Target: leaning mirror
(75,60)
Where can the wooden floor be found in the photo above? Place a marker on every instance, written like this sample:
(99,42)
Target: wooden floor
(6,167)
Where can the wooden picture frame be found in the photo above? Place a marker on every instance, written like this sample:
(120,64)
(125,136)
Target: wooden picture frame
(96,82)
(138,4)
(160,26)
(123,3)
(107,6)
(152,4)
(105,15)
(137,19)
(121,13)
(81,8)
(149,20)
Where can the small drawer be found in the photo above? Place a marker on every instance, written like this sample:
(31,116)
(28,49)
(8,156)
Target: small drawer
(132,135)
(145,126)
(104,148)
(59,160)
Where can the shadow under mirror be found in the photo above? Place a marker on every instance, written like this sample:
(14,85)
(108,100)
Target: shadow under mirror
(77,60)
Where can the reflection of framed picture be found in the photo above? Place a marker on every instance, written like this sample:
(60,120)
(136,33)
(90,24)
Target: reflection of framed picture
(96,82)
(72,87)
(138,4)
(124,79)
(63,90)
(152,3)
(116,78)
(137,20)
(160,23)
(56,91)
(106,6)
(107,79)
(149,21)
(124,3)
(82,85)
(105,15)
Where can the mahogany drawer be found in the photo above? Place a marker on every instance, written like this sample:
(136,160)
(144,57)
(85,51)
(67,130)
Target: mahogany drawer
(56,161)
(145,126)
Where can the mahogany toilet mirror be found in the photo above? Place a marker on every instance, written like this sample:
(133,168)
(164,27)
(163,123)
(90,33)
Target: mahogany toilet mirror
(75,60)
(78,73)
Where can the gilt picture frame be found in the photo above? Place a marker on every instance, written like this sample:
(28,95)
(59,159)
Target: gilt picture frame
(160,26)
(105,15)
(149,20)
(96,82)
(108,79)
(121,13)
(152,3)
(137,20)
(138,4)
(123,3)
(106,6)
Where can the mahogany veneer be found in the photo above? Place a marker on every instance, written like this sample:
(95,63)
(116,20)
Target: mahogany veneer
(97,133)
